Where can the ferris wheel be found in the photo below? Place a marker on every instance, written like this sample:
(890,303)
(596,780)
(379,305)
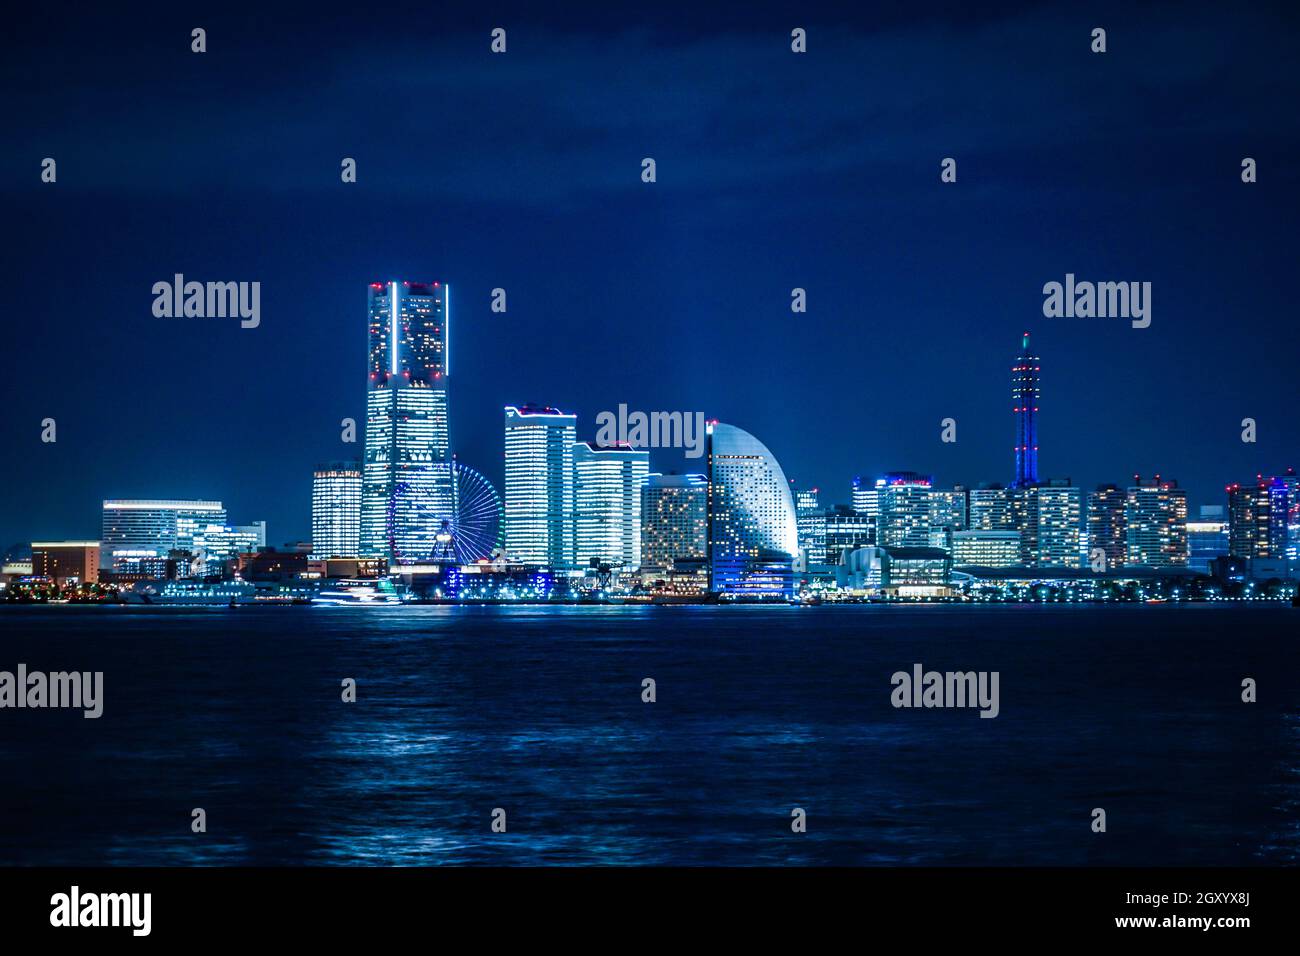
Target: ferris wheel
(444,513)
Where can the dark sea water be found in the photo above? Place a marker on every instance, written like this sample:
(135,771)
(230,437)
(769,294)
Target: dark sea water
(1134,709)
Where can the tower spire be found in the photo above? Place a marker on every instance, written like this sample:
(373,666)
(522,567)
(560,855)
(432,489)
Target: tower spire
(1024,394)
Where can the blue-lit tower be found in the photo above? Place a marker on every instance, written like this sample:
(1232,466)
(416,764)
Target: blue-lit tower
(1024,394)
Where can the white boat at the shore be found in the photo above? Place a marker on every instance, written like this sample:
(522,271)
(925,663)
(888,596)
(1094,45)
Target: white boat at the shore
(212,594)
(359,592)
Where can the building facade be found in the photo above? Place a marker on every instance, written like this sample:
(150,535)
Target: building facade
(846,529)
(157,525)
(949,507)
(66,562)
(986,549)
(812,525)
(1207,538)
(865,497)
(990,509)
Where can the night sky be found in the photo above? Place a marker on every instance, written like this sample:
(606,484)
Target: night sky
(522,171)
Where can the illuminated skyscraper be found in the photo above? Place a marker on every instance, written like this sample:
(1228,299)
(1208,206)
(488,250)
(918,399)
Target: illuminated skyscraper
(1283,515)
(1250,520)
(1106,525)
(812,525)
(336,510)
(1024,394)
(406,476)
(1059,506)
(607,485)
(674,519)
(753,528)
(538,524)
(905,512)
(1155,524)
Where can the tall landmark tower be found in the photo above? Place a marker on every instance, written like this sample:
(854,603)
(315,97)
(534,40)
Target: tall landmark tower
(1024,394)
(407,483)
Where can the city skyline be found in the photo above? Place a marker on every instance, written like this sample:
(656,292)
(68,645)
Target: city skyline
(667,295)
(672,437)
(421,344)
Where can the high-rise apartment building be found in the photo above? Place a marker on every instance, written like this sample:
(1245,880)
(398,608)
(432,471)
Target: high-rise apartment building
(1250,520)
(1155,523)
(1059,524)
(1106,531)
